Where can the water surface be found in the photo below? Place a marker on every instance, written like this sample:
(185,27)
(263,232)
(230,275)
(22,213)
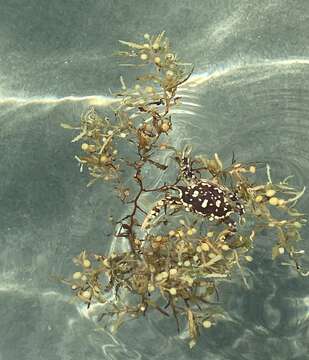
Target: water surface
(249,94)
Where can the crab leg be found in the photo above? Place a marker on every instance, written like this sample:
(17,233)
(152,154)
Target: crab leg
(186,166)
(155,211)
(231,224)
(239,207)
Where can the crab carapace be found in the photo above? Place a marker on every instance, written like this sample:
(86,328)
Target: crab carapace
(200,196)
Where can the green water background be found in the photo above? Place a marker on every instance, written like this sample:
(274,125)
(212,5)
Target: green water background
(254,100)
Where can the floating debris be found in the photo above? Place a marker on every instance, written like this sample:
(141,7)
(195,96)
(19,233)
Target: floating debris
(172,267)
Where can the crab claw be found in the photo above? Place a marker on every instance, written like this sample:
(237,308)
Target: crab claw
(155,211)
(183,155)
(152,215)
(146,223)
(186,152)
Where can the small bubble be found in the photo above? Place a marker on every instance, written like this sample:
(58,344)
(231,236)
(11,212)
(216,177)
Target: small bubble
(252,169)
(173,291)
(259,198)
(77,275)
(84,146)
(173,271)
(281,250)
(86,263)
(207,324)
(205,247)
(270,193)
(273,201)
(86,294)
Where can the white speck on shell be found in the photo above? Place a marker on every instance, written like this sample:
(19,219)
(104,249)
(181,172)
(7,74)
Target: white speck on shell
(204,204)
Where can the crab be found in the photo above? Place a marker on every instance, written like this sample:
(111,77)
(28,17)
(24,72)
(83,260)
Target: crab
(200,196)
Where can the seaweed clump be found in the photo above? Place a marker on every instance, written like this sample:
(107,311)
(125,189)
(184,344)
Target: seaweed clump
(175,266)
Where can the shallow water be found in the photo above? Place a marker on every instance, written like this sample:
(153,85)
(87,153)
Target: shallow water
(249,94)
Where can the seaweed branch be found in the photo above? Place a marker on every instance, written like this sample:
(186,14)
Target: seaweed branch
(175,260)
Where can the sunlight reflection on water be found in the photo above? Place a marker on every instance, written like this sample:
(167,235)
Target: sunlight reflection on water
(250,102)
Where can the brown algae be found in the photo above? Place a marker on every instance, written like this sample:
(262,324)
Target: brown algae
(172,265)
